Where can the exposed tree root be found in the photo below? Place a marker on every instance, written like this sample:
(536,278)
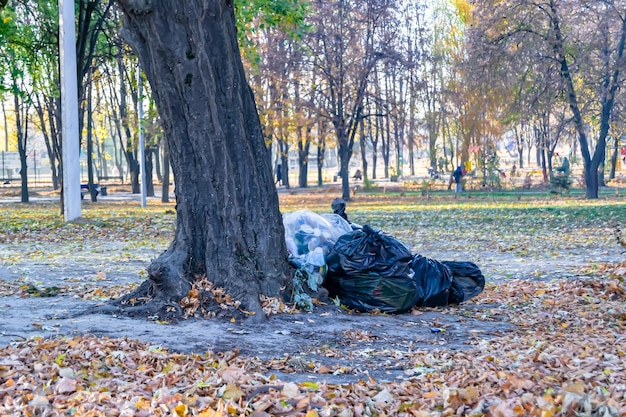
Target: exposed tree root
(255,306)
(158,309)
(140,295)
(170,295)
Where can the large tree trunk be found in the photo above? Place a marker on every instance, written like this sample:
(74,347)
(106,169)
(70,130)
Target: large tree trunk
(228,222)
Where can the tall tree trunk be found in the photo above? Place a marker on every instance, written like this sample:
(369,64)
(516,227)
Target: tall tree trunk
(157,162)
(321,150)
(544,166)
(149,171)
(412,109)
(21,124)
(363,143)
(375,138)
(129,147)
(345,153)
(165,184)
(614,154)
(283,148)
(39,108)
(6,131)
(228,223)
(92,189)
(385,144)
(304,144)
(519,141)
(104,166)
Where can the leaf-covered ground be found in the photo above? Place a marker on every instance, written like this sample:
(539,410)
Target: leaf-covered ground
(545,338)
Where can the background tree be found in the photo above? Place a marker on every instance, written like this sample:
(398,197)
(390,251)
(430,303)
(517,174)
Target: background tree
(585,39)
(46,97)
(20,63)
(350,43)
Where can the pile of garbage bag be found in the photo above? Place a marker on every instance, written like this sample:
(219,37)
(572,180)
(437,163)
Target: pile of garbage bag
(370,270)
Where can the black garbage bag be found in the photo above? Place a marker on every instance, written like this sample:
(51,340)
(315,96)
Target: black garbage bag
(441,283)
(369,270)
(434,281)
(467,281)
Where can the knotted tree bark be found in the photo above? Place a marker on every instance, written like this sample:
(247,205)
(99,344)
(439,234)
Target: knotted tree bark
(228,225)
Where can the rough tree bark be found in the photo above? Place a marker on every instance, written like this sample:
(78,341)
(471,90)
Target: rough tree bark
(228,226)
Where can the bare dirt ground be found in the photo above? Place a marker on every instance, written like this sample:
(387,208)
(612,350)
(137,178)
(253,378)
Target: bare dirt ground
(358,344)
(368,342)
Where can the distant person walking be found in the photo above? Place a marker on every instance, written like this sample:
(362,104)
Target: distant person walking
(458,174)
(279,175)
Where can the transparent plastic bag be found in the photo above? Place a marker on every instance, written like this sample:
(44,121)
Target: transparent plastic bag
(306,230)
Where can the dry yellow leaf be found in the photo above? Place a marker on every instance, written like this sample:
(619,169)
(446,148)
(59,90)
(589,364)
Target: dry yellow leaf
(469,394)
(213,413)
(576,388)
(142,404)
(233,374)
(181,410)
(232,392)
(303,403)
(323,370)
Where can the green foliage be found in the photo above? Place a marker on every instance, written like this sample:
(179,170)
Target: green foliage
(7,26)
(255,15)
(493,173)
(42,292)
(286,15)
(25,44)
(369,185)
(426,185)
(561,181)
